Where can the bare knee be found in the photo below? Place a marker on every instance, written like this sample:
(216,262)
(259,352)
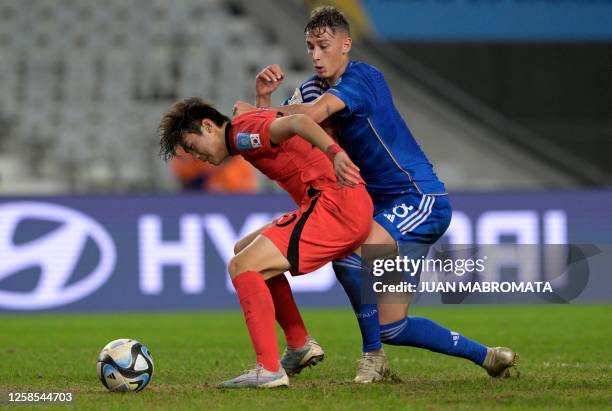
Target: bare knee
(390,313)
(236,266)
(260,255)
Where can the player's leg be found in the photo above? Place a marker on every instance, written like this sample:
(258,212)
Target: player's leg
(416,222)
(259,261)
(248,239)
(287,234)
(340,221)
(287,313)
(397,328)
(301,349)
(372,364)
(349,273)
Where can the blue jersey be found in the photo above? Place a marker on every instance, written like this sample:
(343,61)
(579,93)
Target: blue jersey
(374,134)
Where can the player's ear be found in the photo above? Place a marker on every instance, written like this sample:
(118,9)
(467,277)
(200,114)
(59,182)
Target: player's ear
(347,43)
(207,125)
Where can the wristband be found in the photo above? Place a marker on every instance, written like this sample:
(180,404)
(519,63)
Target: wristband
(332,150)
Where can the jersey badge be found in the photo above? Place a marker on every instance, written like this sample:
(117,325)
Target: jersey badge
(246,141)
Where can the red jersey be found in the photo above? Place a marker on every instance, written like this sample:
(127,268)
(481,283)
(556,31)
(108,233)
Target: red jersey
(295,164)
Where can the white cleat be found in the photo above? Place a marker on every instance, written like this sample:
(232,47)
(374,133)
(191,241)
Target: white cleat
(372,367)
(258,377)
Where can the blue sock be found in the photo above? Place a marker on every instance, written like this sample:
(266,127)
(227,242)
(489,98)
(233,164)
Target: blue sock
(348,273)
(423,333)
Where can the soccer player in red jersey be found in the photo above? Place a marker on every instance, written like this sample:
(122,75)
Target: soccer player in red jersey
(332,219)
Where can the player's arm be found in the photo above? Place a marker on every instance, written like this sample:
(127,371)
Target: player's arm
(263,100)
(318,110)
(301,125)
(266,82)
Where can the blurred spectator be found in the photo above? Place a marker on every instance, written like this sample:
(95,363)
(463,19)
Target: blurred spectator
(233,176)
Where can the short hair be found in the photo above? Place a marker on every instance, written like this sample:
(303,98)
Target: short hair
(185,116)
(324,17)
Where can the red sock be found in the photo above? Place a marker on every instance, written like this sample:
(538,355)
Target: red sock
(287,313)
(258,310)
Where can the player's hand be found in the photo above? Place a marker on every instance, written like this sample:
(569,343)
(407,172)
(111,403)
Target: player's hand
(268,80)
(346,172)
(241,107)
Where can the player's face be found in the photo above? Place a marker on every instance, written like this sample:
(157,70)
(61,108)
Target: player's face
(328,52)
(209,146)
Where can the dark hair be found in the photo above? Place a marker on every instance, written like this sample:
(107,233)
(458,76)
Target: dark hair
(185,116)
(324,17)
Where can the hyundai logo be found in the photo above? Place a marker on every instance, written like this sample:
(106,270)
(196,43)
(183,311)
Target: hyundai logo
(55,253)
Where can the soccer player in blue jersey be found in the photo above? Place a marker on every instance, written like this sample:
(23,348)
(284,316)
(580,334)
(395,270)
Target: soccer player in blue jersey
(411,204)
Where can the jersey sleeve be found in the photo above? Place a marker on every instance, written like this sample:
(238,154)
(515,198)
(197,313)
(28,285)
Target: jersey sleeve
(308,91)
(355,92)
(251,133)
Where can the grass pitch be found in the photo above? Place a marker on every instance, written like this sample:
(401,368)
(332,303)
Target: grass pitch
(565,361)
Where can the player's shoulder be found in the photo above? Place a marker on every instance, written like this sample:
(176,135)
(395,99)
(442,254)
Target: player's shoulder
(314,84)
(253,117)
(361,69)
(313,80)
(308,90)
(257,121)
(250,131)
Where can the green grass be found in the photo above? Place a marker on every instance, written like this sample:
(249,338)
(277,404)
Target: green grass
(565,361)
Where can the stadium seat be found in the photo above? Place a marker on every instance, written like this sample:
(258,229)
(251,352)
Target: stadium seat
(86,82)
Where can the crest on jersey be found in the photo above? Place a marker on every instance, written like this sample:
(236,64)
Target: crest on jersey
(296,98)
(246,141)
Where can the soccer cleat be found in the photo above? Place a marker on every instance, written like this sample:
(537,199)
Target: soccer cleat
(499,361)
(372,367)
(258,377)
(294,360)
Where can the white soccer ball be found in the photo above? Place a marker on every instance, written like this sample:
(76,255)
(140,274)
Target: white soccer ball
(125,365)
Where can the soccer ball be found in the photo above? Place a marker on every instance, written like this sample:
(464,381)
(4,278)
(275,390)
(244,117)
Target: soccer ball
(125,365)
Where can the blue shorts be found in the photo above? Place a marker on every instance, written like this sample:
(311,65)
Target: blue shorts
(415,222)
(414,218)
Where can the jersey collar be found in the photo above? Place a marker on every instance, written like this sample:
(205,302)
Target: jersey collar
(228,133)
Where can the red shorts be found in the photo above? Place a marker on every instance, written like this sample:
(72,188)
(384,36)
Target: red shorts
(327,227)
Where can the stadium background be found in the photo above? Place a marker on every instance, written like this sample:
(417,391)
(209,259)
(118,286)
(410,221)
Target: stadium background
(511,100)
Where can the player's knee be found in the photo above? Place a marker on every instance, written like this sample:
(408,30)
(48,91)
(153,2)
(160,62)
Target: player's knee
(390,311)
(236,266)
